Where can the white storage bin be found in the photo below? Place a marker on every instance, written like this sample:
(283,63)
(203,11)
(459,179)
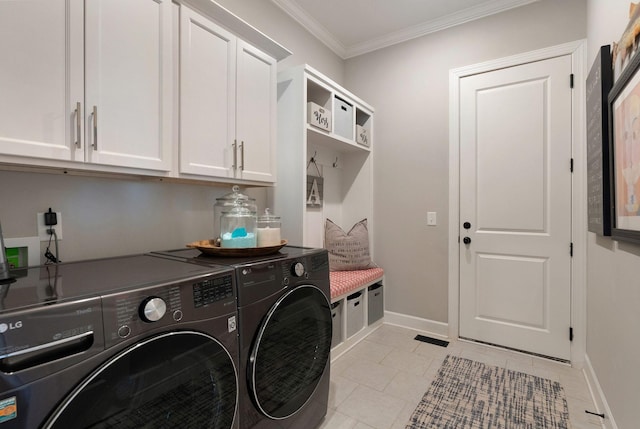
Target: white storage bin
(355,313)
(343,118)
(336,321)
(362,135)
(318,116)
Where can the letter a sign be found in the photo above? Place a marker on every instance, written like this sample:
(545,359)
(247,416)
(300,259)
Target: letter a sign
(315,187)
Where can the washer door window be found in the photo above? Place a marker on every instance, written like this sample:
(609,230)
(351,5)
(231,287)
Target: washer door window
(177,380)
(290,352)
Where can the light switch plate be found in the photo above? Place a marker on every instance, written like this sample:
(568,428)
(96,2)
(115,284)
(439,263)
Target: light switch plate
(431,218)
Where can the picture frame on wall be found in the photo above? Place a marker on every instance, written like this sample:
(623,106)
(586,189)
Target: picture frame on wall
(624,125)
(598,84)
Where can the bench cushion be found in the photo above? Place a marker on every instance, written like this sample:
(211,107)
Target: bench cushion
(343,282)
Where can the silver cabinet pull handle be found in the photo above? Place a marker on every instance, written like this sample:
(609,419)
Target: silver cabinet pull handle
(78,125)
(241,155)
(95,127)
(235,155)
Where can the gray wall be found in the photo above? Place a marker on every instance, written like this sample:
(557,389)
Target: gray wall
(408,85)
(104,217)
(613,273)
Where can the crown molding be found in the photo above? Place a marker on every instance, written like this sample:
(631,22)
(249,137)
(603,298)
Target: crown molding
(448,21)
(312,26)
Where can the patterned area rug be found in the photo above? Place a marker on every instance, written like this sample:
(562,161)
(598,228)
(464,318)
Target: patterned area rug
(471,395)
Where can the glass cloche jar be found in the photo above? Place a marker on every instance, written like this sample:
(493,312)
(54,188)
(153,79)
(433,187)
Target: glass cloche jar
(228,202)
(238,227)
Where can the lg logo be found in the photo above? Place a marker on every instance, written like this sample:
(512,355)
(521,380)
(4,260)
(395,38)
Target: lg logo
(4,327)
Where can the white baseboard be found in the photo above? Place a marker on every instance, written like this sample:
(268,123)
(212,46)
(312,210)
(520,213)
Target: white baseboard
(425,325)
(598,395)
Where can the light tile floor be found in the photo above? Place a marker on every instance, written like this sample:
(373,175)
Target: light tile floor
(378,383)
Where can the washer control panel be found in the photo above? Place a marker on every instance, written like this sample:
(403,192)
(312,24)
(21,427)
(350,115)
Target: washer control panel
(130,313)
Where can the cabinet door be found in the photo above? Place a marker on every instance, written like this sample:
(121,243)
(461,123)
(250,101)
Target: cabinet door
(207,97)
(41,77)
(256,113)
(128,83)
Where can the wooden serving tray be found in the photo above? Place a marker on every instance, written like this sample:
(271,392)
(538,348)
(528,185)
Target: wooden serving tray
(209,247)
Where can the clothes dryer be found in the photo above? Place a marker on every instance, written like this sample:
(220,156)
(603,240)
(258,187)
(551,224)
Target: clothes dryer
(127,342)
(284,319)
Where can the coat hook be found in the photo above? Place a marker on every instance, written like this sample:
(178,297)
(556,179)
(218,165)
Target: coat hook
(335,164)
(313,159)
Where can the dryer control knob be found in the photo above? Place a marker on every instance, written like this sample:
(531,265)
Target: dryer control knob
(152,309)
(124,331)
(297,269)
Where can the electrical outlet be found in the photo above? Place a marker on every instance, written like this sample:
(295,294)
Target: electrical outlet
(431,218)
(43,235)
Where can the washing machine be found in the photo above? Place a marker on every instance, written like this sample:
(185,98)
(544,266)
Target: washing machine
(130,342)
(284,319)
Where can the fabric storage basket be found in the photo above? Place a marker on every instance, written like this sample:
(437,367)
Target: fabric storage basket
(355,313)
(362,135)
(376,302)
(343,118)
(336,320)
(318,116)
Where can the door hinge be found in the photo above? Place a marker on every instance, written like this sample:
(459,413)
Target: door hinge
(572,165)
(570,334)
(571,250)
(571,80)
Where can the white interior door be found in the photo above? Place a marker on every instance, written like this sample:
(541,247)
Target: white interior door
(515,194)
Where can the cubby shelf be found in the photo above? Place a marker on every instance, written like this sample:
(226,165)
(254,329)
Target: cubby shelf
(332,141)
(345,165)
(324,130)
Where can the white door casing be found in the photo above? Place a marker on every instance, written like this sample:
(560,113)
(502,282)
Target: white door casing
(515,192)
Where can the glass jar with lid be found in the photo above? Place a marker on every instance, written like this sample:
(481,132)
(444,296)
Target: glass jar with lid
(228,202)
(238,227)
(268,231)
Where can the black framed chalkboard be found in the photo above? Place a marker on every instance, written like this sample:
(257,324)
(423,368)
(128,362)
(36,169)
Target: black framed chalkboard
(599,82)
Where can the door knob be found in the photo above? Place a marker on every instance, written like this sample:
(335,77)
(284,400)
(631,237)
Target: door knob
(466,240)
(466,225)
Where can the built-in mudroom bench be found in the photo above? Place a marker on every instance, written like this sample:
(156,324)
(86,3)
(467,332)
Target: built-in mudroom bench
(325,166)
(357,306)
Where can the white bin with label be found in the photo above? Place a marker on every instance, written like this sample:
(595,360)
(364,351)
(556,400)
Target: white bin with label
(355,313)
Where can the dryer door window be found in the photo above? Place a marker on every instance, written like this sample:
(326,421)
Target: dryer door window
(175,380)
(290,352)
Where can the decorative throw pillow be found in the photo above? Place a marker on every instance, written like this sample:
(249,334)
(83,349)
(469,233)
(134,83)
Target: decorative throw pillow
(349,251)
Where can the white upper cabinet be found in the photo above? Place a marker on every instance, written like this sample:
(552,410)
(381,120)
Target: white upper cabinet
(256,113)
(41,73)
(227,103)
(169,88)
(128,98)
(88,84)
(207,97)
